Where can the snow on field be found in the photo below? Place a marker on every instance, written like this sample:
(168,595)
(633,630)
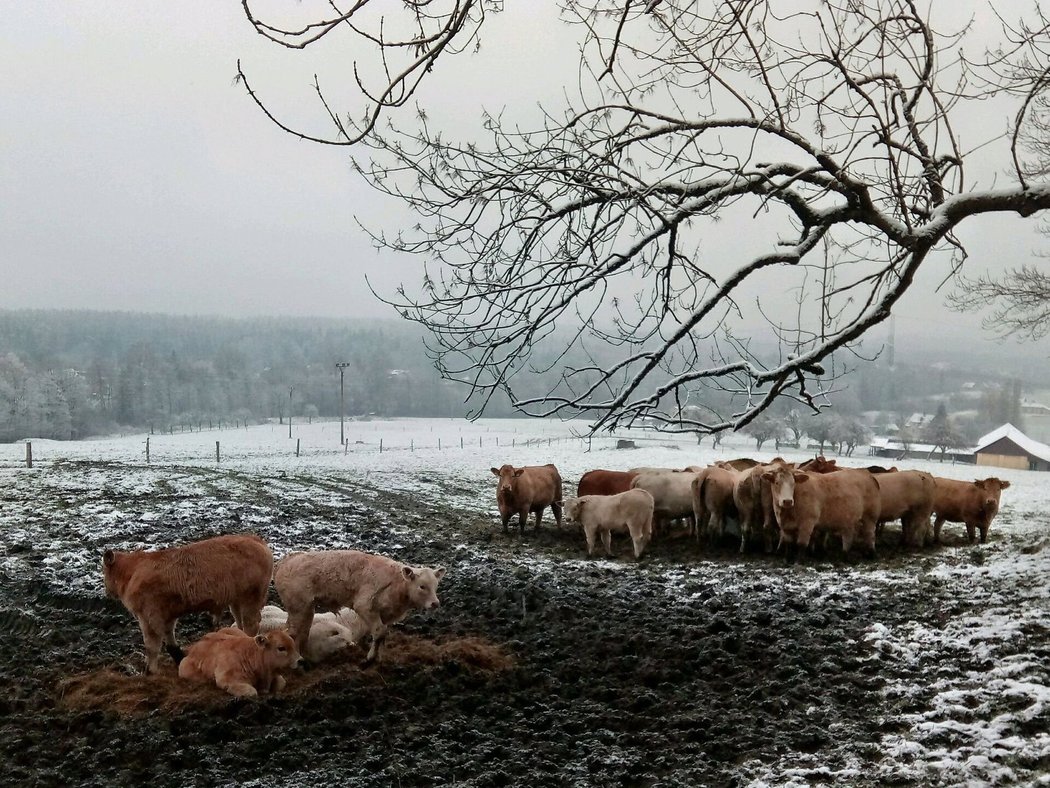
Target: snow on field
(961,725)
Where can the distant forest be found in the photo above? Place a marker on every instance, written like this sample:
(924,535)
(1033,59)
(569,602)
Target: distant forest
(67,374)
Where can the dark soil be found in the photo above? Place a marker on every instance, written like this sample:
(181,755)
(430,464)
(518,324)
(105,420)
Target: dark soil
(689,668)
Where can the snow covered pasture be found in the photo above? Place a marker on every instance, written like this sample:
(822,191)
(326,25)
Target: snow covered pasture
(694,666)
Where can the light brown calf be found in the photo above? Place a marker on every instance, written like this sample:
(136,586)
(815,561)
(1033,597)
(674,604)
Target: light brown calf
(712,494)
(627,512)
(239,663)
(754,505)
(159,586)
(380,590)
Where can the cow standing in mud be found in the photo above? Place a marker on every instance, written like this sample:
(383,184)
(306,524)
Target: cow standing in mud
(159,586)
(602,482)
(380,590)
(529,489)
(628,512)
(907,496)
(845,503)
(972,503)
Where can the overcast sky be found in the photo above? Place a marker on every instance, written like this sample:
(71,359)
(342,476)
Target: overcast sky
(137,176)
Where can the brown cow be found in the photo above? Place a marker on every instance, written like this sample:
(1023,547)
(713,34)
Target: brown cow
(158,586)
(242,665)
(907,496)
(754,505)
(712,494)
(819,464)
(971,503)
(529,489)
(845,503)
(627,512)
(601,482)
(380,590)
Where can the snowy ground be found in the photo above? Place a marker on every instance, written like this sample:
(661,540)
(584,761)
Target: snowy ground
(963,671)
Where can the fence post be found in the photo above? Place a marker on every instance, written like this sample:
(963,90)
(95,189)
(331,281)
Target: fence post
(497,440)
(412,444)
(147,450)
(380,445)
(513,442)
(29,454)
(297,446)
(217,452)
(346,447)
(439,444)
(461,441)
(479,441)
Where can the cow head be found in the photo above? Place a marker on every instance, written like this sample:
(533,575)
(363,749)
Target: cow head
(574,508)
(506,474)
(423,584)
(991,489)
(782,481)
(328,638)
(109,562)
(279,650)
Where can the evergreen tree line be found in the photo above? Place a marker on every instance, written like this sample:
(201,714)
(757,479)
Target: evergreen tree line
(75,374)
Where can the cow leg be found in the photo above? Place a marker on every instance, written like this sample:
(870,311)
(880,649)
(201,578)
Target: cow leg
(971,532)
(299,623)
(230,680)
(248,618)
(847,541)
(171,645)
(378,631)
(937,529)
(523,515)
(984,532)
(276,684)
(607,541)
(590,531)
(636,541)
(152,639)
(506,520)
(539,516)
(556,508)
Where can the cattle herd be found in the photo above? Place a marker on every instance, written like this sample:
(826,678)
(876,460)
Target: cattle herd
(337,598)
(776,506)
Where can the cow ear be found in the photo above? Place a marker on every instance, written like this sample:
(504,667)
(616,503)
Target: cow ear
(800,477)
(408,572)
(769,476)
(519,472)
(1003,485)
(495,471)
(439,572)
(260,639)
(107,558)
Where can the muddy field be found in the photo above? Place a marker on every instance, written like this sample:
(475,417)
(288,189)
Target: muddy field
(541,667)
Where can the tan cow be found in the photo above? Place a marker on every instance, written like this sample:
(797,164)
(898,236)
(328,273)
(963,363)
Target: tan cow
(628,512)
(330,633)
(380,590)
(739,464)
(754,505)
(672,493)
(846,503)
(529,489)
(972,503)
(242,665)
(159,586)
(907,496)
(712,494)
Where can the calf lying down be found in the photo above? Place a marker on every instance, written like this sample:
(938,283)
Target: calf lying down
(330,633)
(240,664)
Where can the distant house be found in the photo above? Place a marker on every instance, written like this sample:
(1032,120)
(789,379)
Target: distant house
(892,448)
(1008,447)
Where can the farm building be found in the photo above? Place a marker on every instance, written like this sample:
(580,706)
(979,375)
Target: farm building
(1008,447)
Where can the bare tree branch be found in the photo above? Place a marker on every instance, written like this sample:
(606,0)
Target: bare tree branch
(819,144)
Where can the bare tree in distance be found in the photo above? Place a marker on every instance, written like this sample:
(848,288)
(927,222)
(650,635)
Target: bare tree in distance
(823,140)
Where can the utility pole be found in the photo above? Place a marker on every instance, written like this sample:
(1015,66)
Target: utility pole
(341,366)
(290,390)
